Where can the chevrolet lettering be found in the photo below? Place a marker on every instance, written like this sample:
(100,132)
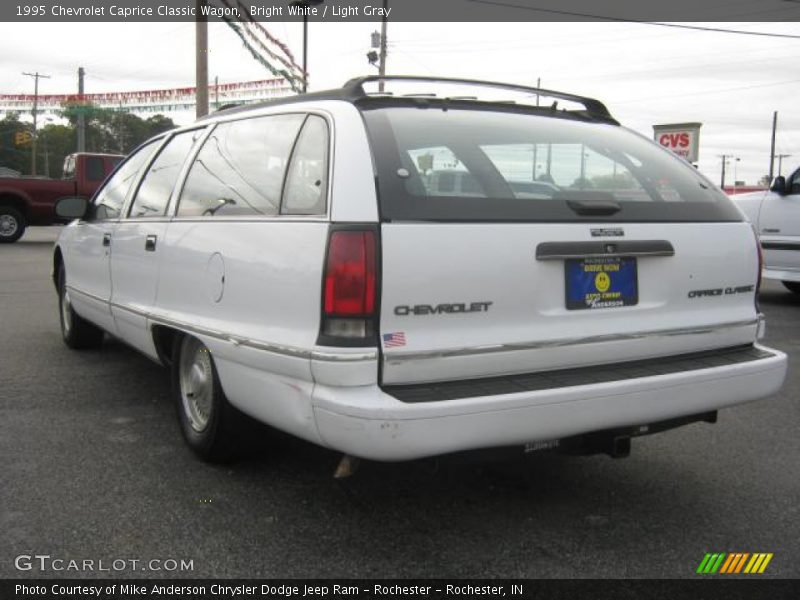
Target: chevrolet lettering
(438,309)
(386,273)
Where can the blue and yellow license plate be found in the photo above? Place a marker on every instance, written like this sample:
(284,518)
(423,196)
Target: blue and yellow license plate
(606,282)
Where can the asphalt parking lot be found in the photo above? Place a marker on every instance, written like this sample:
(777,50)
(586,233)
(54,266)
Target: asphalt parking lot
(92,466)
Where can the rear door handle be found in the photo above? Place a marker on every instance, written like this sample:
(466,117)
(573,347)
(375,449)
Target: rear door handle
(106,239)
(150,243)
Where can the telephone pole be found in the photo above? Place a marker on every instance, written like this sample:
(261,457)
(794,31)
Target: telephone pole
(81,115)
(772,150)
(36,76)
(535,145)
(382,60)
(216,92)
(724,158)
(201,62)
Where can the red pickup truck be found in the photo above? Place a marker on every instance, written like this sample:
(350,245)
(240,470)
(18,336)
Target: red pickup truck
(30,200)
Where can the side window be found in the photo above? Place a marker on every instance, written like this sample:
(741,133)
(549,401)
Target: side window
(307,180)
(94,168)
(153,194)
(794,183)
(108,202)
(240,168)
(69,168)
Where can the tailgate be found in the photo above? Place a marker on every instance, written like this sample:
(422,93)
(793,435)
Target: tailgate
(469,300)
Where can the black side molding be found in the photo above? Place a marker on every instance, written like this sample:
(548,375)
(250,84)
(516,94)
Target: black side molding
(780,245)
(564,250)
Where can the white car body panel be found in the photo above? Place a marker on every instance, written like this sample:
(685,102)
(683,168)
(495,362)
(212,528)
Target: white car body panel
(250,289)
(89,269)
(776,218)
(134,277)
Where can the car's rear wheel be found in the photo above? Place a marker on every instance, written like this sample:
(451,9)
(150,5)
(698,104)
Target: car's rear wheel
(207,419)
(12,224)
(77,332)
(793,286)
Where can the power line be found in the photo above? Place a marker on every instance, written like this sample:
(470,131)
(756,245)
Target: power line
(719,91)
(623,20)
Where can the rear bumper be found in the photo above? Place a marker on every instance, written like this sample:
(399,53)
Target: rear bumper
(366,421)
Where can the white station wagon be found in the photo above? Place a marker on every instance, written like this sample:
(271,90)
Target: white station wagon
(396,276)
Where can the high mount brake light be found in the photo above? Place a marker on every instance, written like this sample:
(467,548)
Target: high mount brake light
(349,287)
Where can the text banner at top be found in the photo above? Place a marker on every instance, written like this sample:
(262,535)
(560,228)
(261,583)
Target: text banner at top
(400,10)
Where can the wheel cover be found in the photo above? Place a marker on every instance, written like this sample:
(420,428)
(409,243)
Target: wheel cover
(66,313)
(8,225)
(196,379)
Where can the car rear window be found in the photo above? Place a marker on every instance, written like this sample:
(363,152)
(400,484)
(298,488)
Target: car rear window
(452,164)
(94,168)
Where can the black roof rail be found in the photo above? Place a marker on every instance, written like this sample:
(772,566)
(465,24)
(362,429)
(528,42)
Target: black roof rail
(355,89)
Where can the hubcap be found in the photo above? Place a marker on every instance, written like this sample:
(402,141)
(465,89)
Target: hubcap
(196,383)
(66,313)
(8,225)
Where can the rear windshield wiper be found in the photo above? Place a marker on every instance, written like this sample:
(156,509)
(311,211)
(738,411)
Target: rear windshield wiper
(590,203)
(593,208)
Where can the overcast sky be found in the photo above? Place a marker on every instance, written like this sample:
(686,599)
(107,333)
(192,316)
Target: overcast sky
(645,74)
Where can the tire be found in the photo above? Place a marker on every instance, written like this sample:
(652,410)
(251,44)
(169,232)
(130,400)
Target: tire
(77,332)
(210,425)
(12,225)
(792,286)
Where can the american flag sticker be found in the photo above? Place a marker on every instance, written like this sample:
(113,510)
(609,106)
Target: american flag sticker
(394,340)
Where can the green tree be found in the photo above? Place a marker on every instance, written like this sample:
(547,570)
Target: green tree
(53,144)
(14,155)
(116,131)
(111,131)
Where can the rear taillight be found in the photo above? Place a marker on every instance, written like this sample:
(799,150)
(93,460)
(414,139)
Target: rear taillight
(349,294)
(760,267)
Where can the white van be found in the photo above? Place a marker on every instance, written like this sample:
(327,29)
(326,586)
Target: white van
(775,214)
(288,262)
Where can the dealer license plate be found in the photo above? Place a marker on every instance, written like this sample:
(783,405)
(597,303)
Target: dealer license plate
(605,282)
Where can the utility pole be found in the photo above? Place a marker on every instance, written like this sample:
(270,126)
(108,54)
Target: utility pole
(382,60)
(724,158)
(305,7)
(780,158)
(772,150)
(81,115)
(535,145)
(36,76)
(121,123)
(305,53)
(201,62)
(216,92)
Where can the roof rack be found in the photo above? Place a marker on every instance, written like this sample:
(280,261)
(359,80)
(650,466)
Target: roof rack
(594,108)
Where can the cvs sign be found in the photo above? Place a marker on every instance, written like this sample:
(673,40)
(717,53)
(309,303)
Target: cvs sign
(681,138)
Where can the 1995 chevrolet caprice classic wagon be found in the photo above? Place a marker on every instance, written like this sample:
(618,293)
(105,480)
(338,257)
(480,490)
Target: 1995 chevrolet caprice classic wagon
(403,275)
